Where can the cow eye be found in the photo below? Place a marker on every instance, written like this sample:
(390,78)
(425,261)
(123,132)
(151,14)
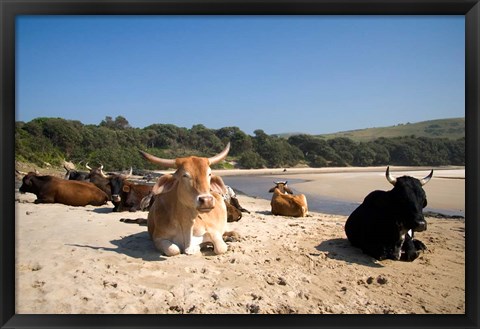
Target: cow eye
(186,175)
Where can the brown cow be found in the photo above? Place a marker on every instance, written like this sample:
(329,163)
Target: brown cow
(132,194)
(234,209)
(188,207)
(50,189)
(284,203)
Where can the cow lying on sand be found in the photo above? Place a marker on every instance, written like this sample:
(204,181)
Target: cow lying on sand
(50,189)
(380,225)
(234,209)
(130,194)
(188,208)
(284,203)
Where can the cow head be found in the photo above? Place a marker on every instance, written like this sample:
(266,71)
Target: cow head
(193,179)
(27,183)
(410,199)
(282,187)
(117,184)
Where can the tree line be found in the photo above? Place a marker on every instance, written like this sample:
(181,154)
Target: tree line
(115,144)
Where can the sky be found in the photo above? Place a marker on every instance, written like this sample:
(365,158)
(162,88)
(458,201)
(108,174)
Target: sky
(310,74)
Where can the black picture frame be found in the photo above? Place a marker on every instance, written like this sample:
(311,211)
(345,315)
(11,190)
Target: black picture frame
(11,8)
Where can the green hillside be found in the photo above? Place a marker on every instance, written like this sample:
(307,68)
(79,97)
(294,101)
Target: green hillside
(443,128)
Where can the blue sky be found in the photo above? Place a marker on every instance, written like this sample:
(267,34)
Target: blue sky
(312,74)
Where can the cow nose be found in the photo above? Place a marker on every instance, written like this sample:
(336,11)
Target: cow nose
(421,226)
(205,202)
(116,198)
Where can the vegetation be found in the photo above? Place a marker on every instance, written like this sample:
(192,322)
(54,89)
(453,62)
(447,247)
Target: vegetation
(444,128)
(115,144)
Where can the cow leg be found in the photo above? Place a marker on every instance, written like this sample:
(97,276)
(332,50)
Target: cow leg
(380,251)
(44,200)
(192,249)
(219,246)
(411,249)
(166,246)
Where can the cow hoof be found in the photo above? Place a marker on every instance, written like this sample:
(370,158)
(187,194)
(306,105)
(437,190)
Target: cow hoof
(419,245)
(220,248)
(192,250)
(167,247)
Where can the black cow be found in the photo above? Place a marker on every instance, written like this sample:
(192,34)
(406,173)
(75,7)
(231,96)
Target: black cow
(108,183)
(76,175)
(380,225)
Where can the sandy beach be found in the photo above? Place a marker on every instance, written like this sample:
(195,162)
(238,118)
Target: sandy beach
(86,260)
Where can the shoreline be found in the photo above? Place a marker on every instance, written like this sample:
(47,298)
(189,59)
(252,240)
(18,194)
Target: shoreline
(445,192)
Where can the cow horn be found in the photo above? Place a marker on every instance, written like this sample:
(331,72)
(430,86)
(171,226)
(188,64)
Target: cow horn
(425,180)
(102,173)
(20,172)
(391,180)
(37,172)
(87,166)
(220,156)
(129,173)
(167,163)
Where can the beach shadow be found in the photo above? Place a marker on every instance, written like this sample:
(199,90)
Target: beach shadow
(102,210)
(136,245)
(341,249)
(264,212)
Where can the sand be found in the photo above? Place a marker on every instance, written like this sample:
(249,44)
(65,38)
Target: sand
(85,260)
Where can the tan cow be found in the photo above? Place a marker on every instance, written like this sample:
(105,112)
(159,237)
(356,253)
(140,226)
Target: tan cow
(284,203)
(188,208)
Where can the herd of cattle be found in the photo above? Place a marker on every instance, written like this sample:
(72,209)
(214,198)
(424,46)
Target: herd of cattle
(192,206)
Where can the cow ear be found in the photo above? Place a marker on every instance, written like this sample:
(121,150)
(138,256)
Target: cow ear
(217,185)
(164,184)
(271,190)
(126,188)
(28,180)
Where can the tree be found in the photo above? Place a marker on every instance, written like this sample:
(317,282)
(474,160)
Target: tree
(119,123)
(251,159)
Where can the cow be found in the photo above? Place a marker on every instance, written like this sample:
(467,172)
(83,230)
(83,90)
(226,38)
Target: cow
(188,208)
(98,177)
(285,203)
(111,184)
(383,225)
(51,189)
(234,209)
(74,174)
(129,194)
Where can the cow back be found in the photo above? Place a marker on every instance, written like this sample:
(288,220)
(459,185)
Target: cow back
(289,205)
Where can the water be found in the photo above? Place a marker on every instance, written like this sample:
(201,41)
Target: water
(258,186)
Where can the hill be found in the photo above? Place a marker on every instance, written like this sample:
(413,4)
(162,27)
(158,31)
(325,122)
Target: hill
(443,128)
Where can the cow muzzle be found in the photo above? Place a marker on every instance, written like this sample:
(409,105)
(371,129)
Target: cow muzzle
(205,202)
(421,225)
(116,198)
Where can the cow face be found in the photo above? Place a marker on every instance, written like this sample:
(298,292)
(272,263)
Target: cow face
(27,183)
(116,185)
(193,180)
(410,199)
(282,187)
